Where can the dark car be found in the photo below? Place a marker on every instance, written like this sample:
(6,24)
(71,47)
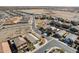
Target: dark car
(12,46)
(73,30)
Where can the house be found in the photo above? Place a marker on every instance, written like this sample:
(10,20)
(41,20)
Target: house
(73,37)
(74,28)
(70,39)
(66,25)
(33,39)
(75,21)
(60,33)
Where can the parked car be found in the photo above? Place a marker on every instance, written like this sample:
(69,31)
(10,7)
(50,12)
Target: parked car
(68,41)
(13,46)
(73,29)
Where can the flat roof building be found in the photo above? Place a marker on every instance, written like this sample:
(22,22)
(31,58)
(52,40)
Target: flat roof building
(32,38)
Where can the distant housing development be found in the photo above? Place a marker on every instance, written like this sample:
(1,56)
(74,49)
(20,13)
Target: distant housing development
(39,29)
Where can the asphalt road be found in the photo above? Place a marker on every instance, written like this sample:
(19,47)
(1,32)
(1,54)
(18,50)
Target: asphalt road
(51,42)
(56,43)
